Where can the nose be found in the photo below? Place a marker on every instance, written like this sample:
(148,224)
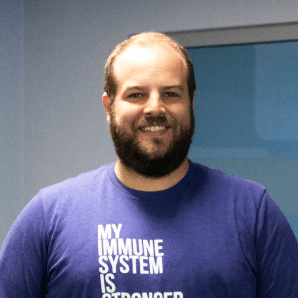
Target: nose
(154,105)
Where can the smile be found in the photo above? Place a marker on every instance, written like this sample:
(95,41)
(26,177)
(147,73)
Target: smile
(153,128)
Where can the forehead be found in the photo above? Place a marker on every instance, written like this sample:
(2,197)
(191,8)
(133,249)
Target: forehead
(155,61)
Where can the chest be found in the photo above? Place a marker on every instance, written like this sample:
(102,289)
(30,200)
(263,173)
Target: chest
(131,252)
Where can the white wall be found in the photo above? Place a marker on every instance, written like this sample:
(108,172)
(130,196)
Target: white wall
(66,45)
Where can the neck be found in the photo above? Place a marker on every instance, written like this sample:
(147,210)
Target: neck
(138,182)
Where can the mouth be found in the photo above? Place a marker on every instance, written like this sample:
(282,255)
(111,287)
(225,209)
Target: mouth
(154,128)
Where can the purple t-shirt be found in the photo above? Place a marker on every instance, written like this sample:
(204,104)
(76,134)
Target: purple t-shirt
(210,235)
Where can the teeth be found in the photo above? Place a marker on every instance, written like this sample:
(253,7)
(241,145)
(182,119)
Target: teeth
(154,128)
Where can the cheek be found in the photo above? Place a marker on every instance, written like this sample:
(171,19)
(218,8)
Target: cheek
(125,118)
(182,116)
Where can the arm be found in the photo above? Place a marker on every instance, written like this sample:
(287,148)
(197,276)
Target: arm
(23,255)
(277,253)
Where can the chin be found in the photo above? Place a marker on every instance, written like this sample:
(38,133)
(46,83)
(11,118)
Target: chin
(153,151)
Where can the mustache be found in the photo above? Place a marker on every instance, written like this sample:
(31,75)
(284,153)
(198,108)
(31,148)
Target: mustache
(152,121)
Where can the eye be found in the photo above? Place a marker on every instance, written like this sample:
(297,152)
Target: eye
(135,95)
(171,94)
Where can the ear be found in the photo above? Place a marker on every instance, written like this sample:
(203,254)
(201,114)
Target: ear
(194,98)
(107,105)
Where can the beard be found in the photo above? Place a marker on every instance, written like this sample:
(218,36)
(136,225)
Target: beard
(154,163)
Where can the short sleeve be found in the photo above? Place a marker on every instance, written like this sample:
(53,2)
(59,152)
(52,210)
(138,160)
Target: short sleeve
(23,254)
(277,253)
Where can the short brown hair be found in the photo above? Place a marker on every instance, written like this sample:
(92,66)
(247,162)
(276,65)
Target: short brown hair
(143,39)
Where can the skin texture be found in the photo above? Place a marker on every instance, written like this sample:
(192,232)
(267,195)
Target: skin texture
(151,92)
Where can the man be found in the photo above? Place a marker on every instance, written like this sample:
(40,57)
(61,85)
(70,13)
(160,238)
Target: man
(153,224)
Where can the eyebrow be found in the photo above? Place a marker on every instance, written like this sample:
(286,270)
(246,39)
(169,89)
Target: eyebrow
(135,88)
(163,87)
(173,87)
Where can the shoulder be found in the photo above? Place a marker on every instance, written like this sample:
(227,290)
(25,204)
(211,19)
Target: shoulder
(233,199)
(246,201)
(70,194)
(83,185)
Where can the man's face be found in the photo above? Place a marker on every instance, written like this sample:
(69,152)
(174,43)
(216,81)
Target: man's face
(151,119)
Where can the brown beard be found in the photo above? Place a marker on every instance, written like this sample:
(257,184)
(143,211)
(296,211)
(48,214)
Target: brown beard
(149,164)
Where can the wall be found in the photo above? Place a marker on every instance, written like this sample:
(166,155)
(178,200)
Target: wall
(66,44)
(11,106)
